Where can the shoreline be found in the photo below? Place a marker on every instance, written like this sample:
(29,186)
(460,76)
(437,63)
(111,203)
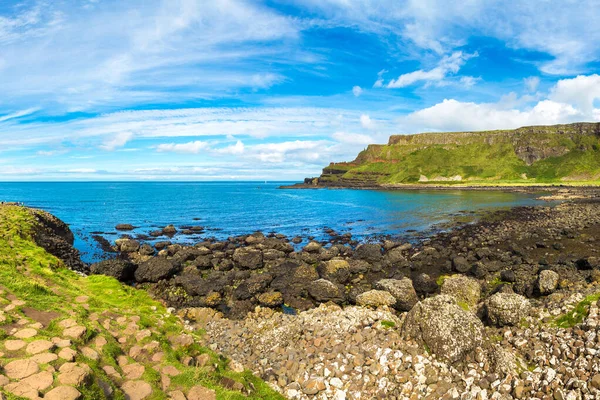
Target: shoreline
(508,188)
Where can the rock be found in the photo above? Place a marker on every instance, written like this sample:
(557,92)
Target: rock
(547,281)
(146,250)
(75,332)
(444,327)
(507,309)
(74,374)
(313,247)
(402,290)
(595,382)
(336,270)
(120,269)
(20,369)
(39,346)
(136,390)
(155,269)
(465,290)
(40,381)
(67,354)
(247,257)
(124,227)
(323,291)
(375,298)
(252,286)
(460,264)
(508,276)
(63,393)
(201,393)
(395,257)
(169,230)
(127,245)
(369,252)
(14,345)
(270,299)
(424,284)
(22,390)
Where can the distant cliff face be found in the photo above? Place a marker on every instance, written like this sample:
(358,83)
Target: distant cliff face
(536,154)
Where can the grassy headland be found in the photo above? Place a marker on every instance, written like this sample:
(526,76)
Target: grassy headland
(540,155)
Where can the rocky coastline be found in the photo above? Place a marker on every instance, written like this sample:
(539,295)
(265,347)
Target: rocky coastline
(503,308)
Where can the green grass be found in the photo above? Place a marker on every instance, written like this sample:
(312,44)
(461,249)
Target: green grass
(578,313)
(481,158)
(31,274)
(388,324)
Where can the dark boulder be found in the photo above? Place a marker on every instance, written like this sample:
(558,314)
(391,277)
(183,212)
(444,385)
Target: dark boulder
(146,250)
(120,269)
(323,291)
(124,227)
(424,284)
(460,264)
(155,269)
(247,257)
(252,286)
(369,252)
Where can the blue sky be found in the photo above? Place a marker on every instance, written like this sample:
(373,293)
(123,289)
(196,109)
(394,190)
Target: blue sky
(275,90)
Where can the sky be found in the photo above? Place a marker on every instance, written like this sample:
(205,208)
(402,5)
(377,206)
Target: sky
(275,90)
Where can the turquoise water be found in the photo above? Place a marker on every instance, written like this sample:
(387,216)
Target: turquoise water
(228,209)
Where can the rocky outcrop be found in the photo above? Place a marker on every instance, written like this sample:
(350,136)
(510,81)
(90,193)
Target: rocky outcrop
(507,309)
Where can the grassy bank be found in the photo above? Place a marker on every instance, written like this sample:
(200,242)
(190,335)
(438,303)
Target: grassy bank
(123,327)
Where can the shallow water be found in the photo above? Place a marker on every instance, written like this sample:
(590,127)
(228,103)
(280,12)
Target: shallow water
(235,208)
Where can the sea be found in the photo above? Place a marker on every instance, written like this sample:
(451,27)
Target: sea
(227,209)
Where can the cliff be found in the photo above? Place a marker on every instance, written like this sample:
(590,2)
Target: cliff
(565,154)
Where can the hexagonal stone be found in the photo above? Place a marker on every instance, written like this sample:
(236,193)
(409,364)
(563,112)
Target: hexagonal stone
(20,369)
(40,381)
(201,393)
(63,393)
(44,358)
(14,345)
(39,346)
(22,389)
(73,374)
(90,353)
(25,333)
(136,390)
(67,323)
(67,354)
(75,332)
(133,371)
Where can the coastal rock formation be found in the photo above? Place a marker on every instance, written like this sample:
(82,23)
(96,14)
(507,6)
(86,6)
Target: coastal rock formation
(535,154)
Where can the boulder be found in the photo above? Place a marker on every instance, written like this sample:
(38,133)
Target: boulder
(270,299)
(336,270)
(402,290)
(120,269)
(252,286)
(424,284)
(124,227)
(248,257)
(465,290)
(375,298)
(278,244)
(323,291)
(444,327)
(313,247)
(547,281)
(507,309)
(169,230)
(146,250)
(127,245)
(395,257)
(460,264)
(369,252)
(155,269)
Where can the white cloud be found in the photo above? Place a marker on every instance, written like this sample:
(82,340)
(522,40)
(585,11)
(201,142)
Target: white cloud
(352,138)
(194,147)
(379,82)
(469,81)
(366,122)
(234,149)
(19,114)
(580,91)
(357,91)
(532,83)
(118,140)
(448,65)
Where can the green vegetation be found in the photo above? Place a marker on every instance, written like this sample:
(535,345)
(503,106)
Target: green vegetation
(388,324)
(562,154)
(34,276)
(578,313)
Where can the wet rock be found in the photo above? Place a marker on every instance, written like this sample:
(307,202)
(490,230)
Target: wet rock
(368,252)
(270,299)
(155,269)
(402,290)
(444,327)
(424,284)
(127,245)
(146,250)
(124,227)
(247,257)
(169,230)
(313,247)
(507,309)
(336,270)
(252,286)
(508,276)
(460,264)
(119,269)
